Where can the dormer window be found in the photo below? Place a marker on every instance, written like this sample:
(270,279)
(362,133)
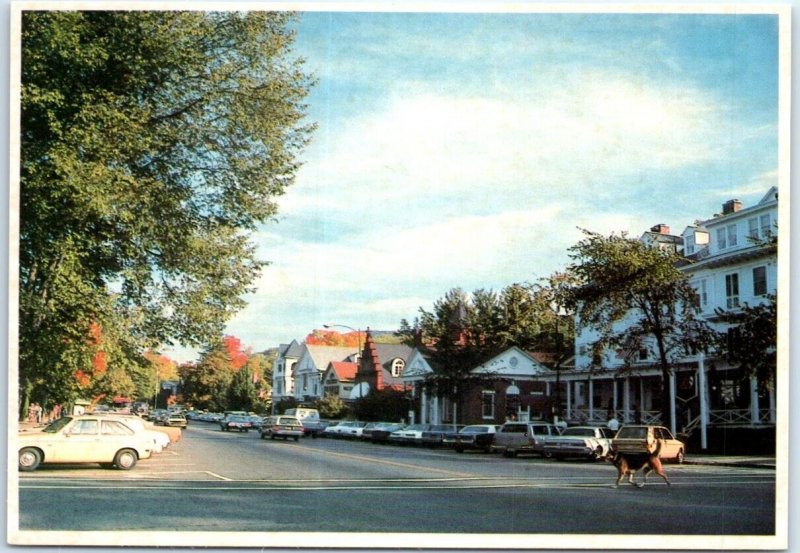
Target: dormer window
(397,367)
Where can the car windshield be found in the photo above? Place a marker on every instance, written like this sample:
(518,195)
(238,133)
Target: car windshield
(474,429)
(417,427)
(57,425)
(634,432)
(520,428)
(583,432)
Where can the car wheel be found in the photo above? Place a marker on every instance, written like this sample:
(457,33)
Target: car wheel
(547,455)
(679,458)
(125,459)
(29,459)
(297,438)
(272,436)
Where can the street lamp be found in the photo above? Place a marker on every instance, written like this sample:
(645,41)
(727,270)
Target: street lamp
(358,337)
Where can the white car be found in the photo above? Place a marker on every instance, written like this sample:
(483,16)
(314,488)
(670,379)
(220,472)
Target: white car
(591,442)
(100,439)
(160,439)
(344,429)
(411,434)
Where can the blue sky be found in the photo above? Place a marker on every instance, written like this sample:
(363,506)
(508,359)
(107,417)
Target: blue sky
(465,150)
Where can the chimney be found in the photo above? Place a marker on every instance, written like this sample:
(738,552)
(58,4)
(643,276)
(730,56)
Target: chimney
(731,206)
(660,228)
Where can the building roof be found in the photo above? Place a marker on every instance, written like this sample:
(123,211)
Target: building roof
(323,355)
(345,370)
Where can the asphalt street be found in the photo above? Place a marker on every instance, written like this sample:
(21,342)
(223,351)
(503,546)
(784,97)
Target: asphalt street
(213,481)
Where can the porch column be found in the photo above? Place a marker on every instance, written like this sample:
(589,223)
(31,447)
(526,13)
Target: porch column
(754,416)
(423,407)
(672,413)
(569,399)
(703,392)
(772,419)
(626,394)
(435,415)
(591,399)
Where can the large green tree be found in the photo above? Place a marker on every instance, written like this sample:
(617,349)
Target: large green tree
(152,145)
(636,298)
(466,330)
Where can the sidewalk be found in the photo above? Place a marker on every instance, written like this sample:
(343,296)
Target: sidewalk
(751,461)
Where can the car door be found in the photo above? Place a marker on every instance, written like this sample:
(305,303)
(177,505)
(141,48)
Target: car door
(669,445)
(80,443)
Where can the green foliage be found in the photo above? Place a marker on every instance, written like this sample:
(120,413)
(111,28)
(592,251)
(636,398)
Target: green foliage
(382,405)
(635,297)
(152,144)
(242,393)
(284,404)
(331,407)
(752,340)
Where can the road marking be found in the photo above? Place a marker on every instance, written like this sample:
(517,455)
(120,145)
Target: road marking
(385,487)
(215,475)
(390,463)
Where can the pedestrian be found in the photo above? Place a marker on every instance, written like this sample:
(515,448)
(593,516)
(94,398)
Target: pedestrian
(613,423)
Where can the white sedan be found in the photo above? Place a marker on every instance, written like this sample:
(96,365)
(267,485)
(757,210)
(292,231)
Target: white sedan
(84,439)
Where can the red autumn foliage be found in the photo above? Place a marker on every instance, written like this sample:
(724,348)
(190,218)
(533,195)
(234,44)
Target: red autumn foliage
(239,357)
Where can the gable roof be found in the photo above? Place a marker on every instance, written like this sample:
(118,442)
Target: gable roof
(344,370)
(512,363)
(321,356)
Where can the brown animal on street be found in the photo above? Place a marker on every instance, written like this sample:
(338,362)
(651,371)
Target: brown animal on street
(628,464)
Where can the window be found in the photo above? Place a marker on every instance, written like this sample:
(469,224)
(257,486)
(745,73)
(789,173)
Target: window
(766,228)
(760,281)
(487,404)
(752,228)
(85,427)
(305,382)
(731,235)
(115,428)
(689,245)
(702,293)
(643,354)
(726,237)
(397,367)
(722,243)
(732,290)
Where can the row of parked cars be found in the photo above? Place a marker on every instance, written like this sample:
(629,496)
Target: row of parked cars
(513,438)
(113,440)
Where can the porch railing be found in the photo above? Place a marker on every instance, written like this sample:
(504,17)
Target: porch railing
(731,417)
(600,416)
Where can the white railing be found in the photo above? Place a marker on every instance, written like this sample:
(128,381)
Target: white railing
(718,417)
(600,415)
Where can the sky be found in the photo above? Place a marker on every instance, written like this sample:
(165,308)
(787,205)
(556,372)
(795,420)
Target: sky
(469,149)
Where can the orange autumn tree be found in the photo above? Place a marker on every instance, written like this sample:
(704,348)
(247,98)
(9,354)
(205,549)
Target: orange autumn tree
(332,338)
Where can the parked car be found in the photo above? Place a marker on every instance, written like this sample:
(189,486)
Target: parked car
(345,429)
(235,422)
(100,439)
(135,423)
(256,421)
(513,438)
(474,436)
(381,434)
(649,439)
(411,434)
(176,419)
(282,426)
(434,436)
(591,442)
(309,418)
